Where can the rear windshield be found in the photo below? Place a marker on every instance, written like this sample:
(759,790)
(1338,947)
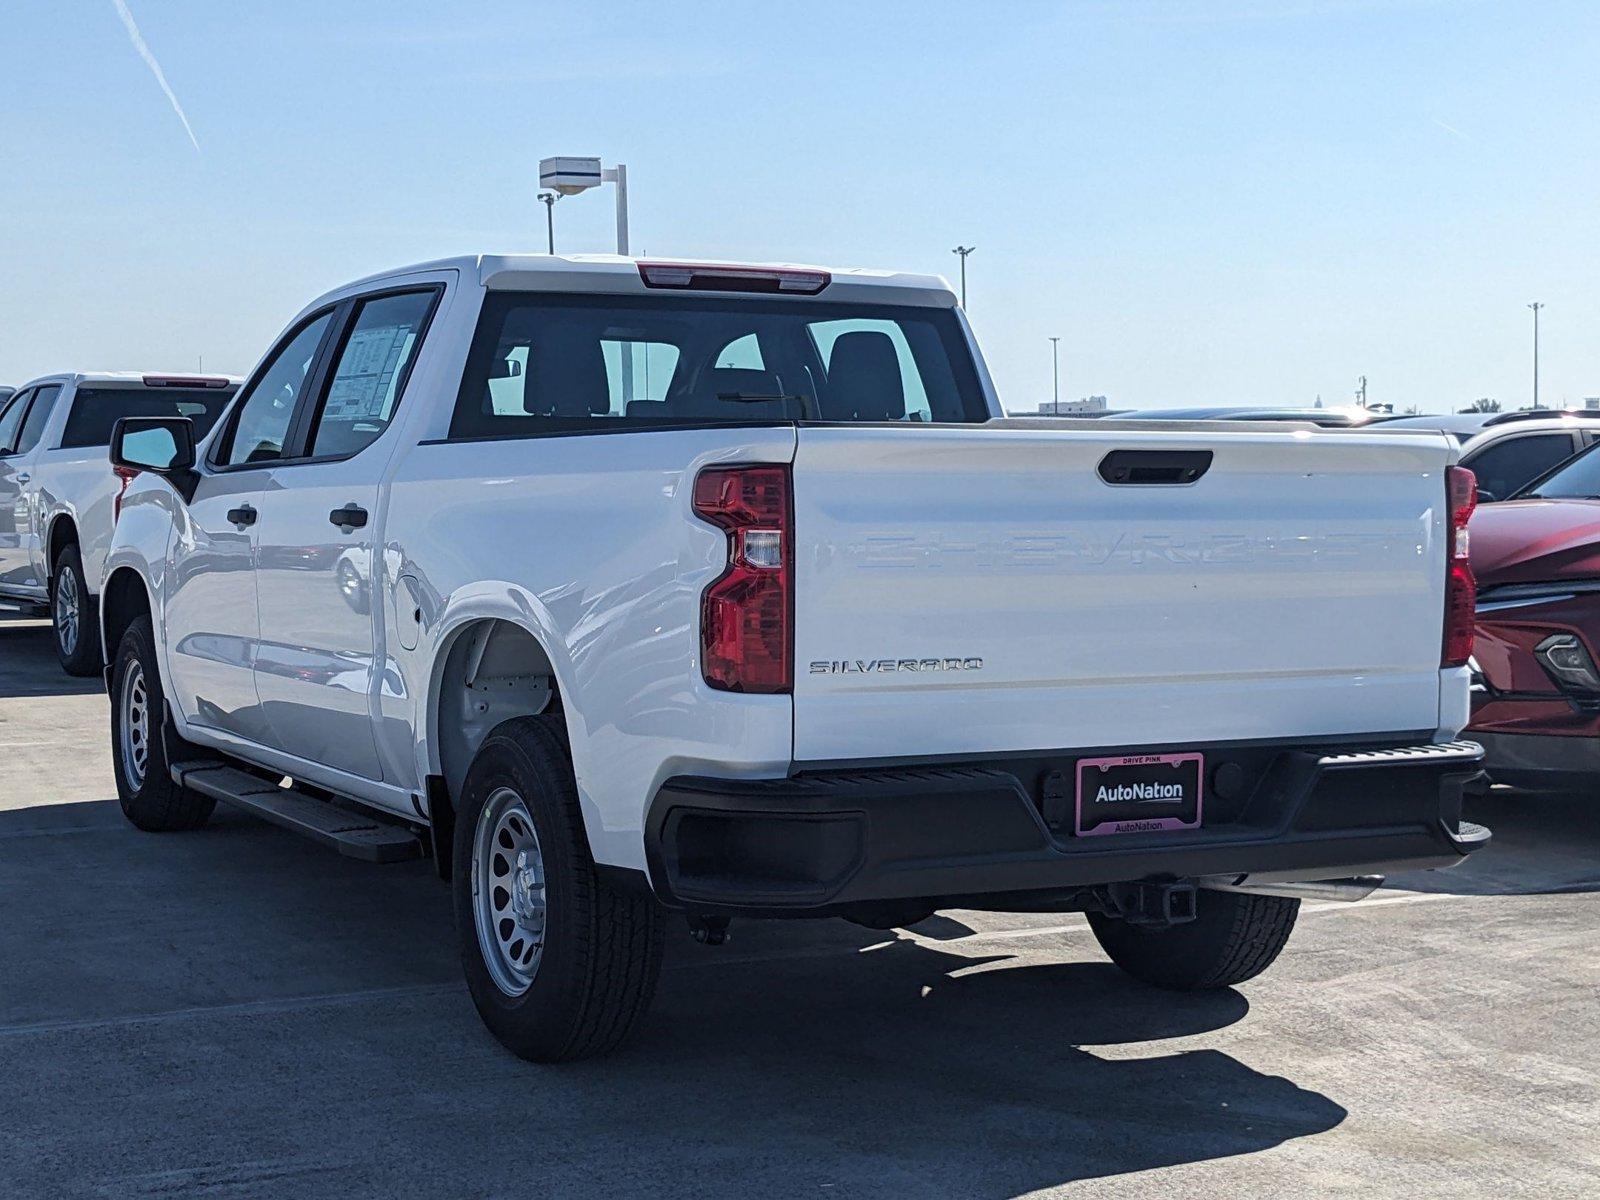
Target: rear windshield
(547,363)
(96,410)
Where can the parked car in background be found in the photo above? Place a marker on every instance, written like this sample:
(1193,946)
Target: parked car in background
(1460,426)
(1536,685)
(1329,418)
(58,492)
(623,586)
(1513,449)
(1507,451)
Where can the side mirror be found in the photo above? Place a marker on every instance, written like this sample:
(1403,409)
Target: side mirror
(161,445)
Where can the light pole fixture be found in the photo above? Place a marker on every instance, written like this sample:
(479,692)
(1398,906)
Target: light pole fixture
(549,200)
(963,251)
(568,176)
(1055,374)
(1536,306)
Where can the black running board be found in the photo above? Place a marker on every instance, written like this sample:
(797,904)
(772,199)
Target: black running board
(354,834)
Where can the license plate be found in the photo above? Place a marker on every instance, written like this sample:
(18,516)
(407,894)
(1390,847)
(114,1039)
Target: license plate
(1142,793)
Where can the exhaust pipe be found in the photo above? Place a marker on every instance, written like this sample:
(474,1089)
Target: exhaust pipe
(1357,887)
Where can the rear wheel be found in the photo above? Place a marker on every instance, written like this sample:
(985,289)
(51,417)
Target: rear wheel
(560,963)
(1234,937)
(149,797)
(74,617)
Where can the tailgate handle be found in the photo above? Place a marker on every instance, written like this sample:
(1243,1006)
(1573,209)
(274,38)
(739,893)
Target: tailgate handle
(1154,466)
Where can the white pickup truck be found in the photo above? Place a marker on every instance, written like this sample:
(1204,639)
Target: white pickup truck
(58,495)
(624,586)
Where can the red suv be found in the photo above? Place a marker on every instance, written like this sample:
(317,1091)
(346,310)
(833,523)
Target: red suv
(1536,685)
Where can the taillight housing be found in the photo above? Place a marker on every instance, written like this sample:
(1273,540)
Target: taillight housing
(1461,589)
(127,475)
(747,612)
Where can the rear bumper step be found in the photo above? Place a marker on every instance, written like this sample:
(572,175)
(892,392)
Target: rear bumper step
(982,834)
(354,834)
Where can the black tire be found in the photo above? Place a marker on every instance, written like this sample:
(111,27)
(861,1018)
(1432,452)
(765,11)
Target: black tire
(149,797)
(601,945)
(77,640)
(1233,937)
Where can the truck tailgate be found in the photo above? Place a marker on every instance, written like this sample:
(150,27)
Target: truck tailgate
(967,590)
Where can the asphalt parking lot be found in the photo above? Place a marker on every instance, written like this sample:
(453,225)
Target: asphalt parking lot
(236,1012)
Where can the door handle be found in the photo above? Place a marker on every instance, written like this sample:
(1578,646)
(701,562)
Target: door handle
(242,516)
(348,518)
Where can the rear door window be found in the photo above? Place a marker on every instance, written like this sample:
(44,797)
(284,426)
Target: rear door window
(370,372)
(95,410)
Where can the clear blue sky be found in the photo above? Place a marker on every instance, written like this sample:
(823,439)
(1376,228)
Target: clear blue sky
(1237,201)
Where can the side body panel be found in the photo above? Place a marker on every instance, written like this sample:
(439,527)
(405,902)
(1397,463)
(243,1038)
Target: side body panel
(77,486)
(315,659)
(211,626)
(590,544)
(18,576)
(21,511)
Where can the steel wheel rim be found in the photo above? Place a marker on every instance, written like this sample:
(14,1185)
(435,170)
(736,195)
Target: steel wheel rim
(133,726)
(67,610)
(508,891)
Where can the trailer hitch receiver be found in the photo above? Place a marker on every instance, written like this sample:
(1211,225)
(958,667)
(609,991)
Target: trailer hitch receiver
(1153,904)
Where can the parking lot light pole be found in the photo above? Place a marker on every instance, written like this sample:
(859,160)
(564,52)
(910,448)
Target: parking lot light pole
(963,251)
(1055,374)
(567,176)
(1536,306)
(549,200)
(618,175)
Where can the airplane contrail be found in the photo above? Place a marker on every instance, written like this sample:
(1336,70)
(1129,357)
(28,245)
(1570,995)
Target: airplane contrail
(155,68)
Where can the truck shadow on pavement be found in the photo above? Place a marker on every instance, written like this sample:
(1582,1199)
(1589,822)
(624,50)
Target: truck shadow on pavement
(1543,843)
(238,1011)
(28,665)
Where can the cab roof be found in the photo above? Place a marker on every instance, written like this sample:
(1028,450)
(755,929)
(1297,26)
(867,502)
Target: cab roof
(135,378)
(622,275)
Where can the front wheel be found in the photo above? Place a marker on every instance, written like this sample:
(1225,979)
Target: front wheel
(74,618)
(149,797)
(561,964)
(1235,936)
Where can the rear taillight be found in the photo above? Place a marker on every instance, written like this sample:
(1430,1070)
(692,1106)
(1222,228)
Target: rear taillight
(1461,589)
(746,614)
(127,475)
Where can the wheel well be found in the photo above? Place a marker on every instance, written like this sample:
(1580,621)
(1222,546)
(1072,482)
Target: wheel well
(123,601)
(63,533)
(493,671)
